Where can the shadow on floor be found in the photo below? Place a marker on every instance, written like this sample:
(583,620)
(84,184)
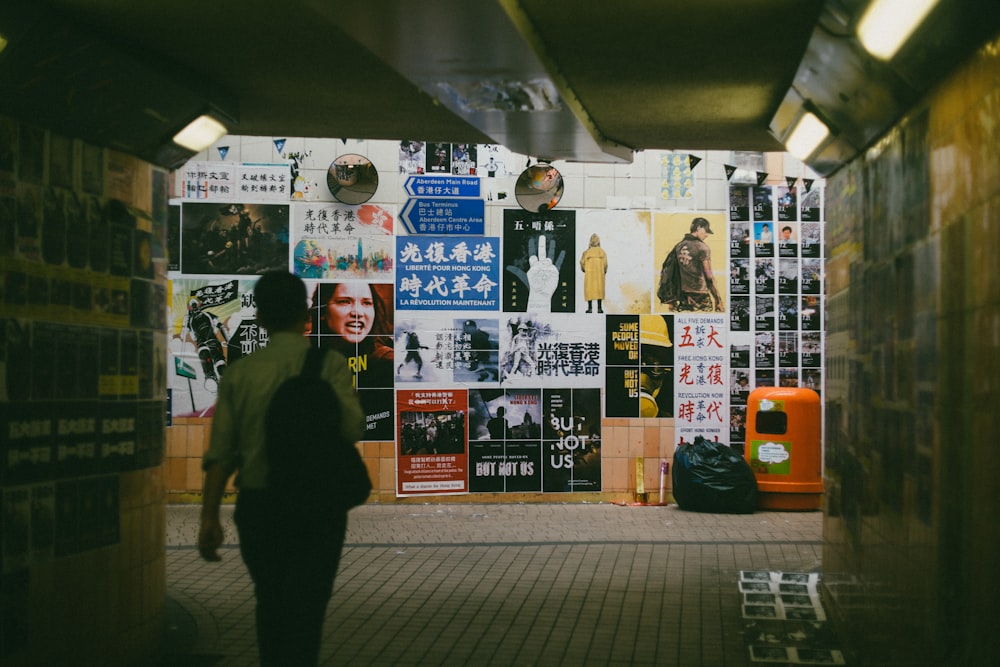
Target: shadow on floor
(179,638)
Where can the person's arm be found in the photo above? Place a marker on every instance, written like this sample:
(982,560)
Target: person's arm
(210,535)
(710,283)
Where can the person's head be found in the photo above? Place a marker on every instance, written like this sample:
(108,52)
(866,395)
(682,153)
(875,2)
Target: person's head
(281,301)
(595,240)
(786,232)
(701,228)
(501,411)
(352,310)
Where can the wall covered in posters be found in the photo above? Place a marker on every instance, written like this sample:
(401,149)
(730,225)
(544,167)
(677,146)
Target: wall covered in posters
(82,349)
(82,393)
(491,361)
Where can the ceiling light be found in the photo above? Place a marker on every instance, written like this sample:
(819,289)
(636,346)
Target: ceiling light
(200,133)
(806,136)
(887,24)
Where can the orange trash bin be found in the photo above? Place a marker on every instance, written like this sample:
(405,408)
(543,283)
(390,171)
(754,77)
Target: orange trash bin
(783,447)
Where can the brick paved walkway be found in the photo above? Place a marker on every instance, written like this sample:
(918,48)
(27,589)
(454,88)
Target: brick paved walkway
(529,584)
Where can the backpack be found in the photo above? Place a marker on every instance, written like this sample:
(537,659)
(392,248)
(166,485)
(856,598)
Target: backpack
(670,279)
(309,464)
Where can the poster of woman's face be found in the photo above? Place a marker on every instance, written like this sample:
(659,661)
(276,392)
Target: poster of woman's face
(355,318)
(349,311)
(354,311)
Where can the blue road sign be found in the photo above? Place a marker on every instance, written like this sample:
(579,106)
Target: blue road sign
(428,215)
(443,186)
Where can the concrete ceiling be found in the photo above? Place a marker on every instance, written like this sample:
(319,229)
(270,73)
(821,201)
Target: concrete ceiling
(556,79)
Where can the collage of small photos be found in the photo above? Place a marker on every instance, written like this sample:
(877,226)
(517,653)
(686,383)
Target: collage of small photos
(785,622)
(776,292)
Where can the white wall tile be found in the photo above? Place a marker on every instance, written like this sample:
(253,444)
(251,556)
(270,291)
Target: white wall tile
(629,187)
(598,170)
(390,187)
(384,155)
(597,190)
(320,153)
(716,195)
(260,149)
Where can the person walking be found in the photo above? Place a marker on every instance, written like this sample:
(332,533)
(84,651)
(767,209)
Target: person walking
(292,555)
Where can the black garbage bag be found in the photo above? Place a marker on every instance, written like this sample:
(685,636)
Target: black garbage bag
(710,476)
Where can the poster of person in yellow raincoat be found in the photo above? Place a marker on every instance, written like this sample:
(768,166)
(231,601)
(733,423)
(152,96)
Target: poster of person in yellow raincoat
(594,264)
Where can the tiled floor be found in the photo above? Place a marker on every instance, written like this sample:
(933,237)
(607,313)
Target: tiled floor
(529,584)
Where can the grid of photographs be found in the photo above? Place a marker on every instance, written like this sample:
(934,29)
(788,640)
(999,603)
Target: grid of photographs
(776,292)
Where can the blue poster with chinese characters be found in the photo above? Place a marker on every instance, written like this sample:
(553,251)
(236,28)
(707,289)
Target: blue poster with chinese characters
(447,273)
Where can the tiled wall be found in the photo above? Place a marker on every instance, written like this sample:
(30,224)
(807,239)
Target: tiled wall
(103,606)
(623,440)
(913,361)
(83,577)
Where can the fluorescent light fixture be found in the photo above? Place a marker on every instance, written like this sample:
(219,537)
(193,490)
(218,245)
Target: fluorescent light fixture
(200,133)
(806,136)
(887,24)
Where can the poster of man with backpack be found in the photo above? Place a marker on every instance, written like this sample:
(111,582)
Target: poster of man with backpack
(686,282)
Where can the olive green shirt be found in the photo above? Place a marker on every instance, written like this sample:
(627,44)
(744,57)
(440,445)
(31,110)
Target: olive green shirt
(237,436)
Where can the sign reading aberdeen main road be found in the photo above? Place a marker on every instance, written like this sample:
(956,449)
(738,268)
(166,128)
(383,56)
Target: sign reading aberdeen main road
(443,186)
